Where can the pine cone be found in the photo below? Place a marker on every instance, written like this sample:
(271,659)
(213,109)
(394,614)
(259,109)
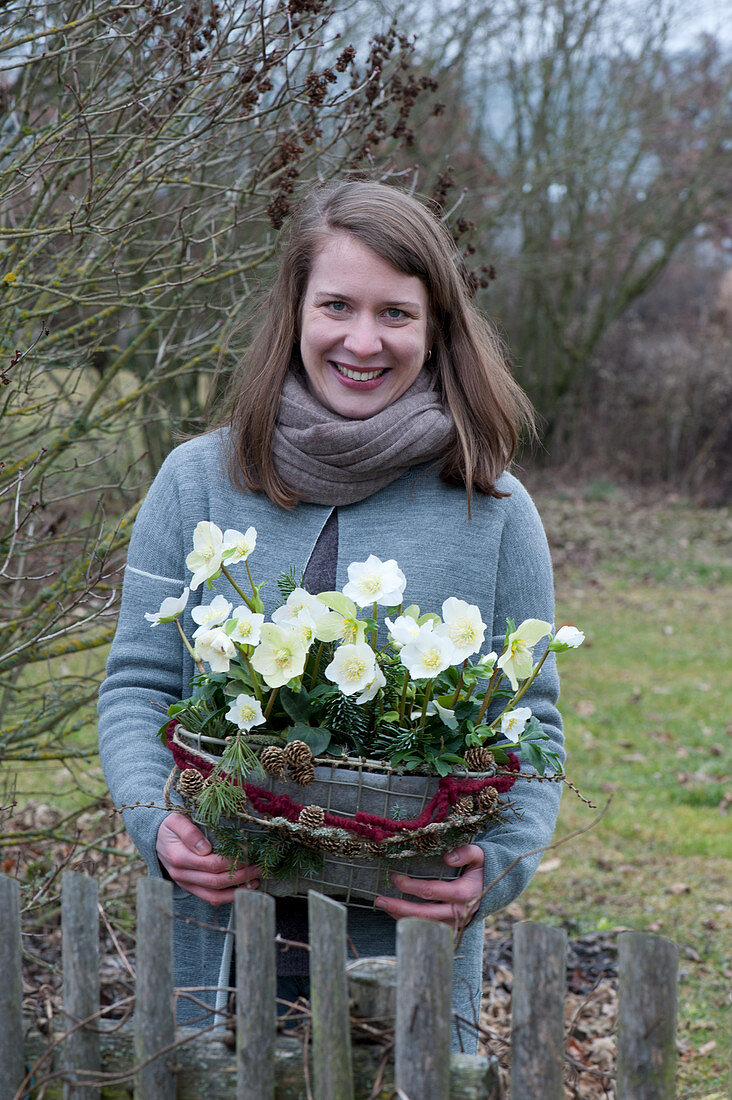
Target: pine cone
(479,760)
(427,842)
(274,761)
(190,783)
(313,817)
(302,773)
(464,806)
(371,849)
(297,752)
(487,798)
(352,848)
(329,843)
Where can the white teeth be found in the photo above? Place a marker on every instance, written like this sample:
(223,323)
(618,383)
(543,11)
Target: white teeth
(359,375)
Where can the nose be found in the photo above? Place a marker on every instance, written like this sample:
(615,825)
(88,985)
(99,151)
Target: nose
(363,338)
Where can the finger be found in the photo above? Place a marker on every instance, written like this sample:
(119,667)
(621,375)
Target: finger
(218,884)
(400,908)
(217,897)
(460,890)
(465,855)
(187,833)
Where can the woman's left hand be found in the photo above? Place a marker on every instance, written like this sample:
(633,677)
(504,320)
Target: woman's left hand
(453,901)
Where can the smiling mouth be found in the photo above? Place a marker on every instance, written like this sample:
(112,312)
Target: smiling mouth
(359,375)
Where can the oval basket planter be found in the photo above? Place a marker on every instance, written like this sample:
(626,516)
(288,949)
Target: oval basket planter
(365,818)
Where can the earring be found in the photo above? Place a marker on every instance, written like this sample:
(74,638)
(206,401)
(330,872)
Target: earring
(428,356)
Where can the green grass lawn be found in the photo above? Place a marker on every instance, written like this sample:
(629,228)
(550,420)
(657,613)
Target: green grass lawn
(646,708)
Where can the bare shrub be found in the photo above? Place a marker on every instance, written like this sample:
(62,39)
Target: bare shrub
(149,153)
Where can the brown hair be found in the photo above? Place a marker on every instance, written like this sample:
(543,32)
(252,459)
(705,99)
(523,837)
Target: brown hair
(468,360)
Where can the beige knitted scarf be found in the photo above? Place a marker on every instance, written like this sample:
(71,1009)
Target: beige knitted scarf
(329,459)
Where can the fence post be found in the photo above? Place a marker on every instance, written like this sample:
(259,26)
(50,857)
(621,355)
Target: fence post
(154,1019)
(12,1066)
(537,1011)
(423,1014)
(256,993)
(80,964)
(647,997)
(332,1063)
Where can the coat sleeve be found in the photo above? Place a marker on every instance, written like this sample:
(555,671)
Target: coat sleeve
(148,667)
(524,590)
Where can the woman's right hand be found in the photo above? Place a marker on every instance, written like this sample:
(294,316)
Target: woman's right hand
(188,858)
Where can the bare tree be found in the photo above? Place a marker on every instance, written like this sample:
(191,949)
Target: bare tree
(149,153)
(591,145)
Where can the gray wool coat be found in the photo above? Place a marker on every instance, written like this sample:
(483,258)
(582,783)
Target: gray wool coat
(497,559)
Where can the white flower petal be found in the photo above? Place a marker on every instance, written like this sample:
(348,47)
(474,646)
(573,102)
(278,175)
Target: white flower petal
(170,609)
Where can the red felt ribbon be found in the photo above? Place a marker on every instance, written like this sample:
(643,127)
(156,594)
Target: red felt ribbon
(372,826)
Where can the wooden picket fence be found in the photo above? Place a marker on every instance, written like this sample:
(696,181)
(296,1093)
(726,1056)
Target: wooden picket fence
(154,1060)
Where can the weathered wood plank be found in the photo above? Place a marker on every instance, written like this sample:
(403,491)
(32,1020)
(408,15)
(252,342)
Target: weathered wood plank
(647,1000)
(80,962)
(537,1011)
(206,1068)
(154,1017)
(332,1063)
(256,995)
(12,1070)
(424,997)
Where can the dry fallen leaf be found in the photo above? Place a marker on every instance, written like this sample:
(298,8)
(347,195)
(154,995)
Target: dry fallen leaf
(549,865)
(707,1048)
(677,888)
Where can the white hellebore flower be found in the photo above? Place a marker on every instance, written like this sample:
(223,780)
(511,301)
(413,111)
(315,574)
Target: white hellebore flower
(310,616)
(517,660)
(372,689)
(170,609)
(238,547)
(353,668)
(248,626)
(342,622)
(428,654)
(404,629)
(513,723)
(205,558)
(245,712)
(215,647)
(567,637)
(280,655)
(210,614)
(375,581)
(463,626)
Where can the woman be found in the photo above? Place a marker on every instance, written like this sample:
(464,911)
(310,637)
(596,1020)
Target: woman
(373,413)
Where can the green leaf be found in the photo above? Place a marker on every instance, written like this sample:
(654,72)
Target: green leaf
(295,704)
(315,737)
(442,767)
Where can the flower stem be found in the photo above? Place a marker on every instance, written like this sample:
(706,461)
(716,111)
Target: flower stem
(375,630)
(488,695)
(456,696)
(527,682)
(403,698)
(316,664)
(255,678)
(272,698)
(427,697)
(236,587)
(189,647)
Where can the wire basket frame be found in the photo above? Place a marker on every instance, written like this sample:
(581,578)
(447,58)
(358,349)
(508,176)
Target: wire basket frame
(346,787)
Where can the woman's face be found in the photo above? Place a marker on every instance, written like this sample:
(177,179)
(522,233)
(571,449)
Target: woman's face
(363,335)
